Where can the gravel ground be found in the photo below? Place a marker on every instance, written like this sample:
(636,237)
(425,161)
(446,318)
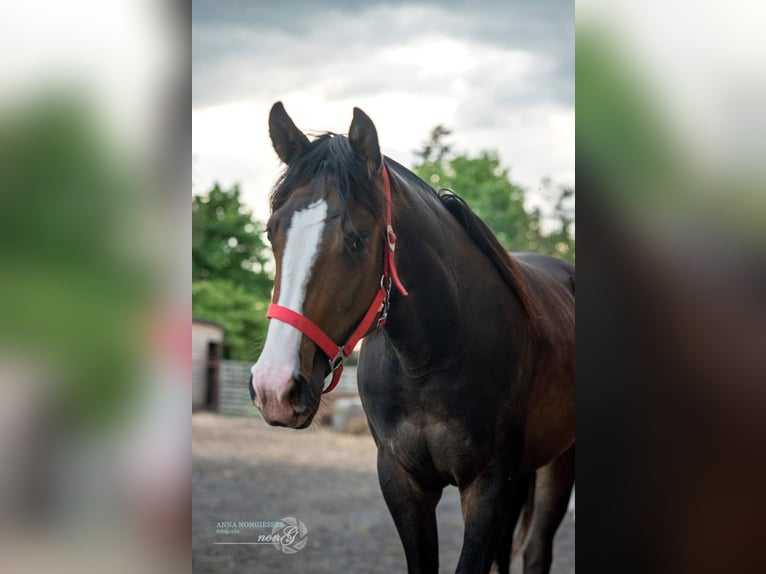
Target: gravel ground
(244,470)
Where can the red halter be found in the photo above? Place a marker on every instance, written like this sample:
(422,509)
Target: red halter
(337,354)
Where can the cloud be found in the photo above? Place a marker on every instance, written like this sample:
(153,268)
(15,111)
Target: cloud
(236,57)
(493,72)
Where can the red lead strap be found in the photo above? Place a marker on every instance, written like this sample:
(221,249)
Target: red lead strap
(337,354)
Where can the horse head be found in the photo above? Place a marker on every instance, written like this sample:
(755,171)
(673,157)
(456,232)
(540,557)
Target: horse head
(328,233)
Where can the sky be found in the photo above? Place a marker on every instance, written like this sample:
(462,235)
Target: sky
(499,74)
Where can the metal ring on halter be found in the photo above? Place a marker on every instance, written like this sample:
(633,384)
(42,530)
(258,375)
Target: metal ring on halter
(337,362)
(385,284)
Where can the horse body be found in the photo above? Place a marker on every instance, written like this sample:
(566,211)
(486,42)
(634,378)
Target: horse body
(455,389)
(471,380)
(451,386)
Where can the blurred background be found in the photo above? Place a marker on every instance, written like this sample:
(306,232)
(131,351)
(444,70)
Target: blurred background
(671,286)
(94,299)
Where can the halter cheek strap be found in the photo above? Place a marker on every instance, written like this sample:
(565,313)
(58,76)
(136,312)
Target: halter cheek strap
(335,353)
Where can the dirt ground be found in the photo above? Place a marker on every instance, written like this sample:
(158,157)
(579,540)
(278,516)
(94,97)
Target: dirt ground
(244,470)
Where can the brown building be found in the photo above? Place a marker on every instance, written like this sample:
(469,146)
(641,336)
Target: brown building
(207,347)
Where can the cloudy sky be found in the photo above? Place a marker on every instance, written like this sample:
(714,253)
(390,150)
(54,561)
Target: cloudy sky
(500,74)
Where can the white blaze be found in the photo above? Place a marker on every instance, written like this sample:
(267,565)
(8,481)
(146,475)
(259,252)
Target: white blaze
(280,353)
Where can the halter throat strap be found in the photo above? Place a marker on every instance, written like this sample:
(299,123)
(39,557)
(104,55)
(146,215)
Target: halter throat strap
(337,354)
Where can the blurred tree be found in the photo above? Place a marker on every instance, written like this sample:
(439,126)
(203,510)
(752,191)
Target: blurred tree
(227,242)
(485,185)
(231,283)
(76,286)
(559,240)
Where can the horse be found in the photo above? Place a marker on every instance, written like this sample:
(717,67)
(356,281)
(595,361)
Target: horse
(466,371)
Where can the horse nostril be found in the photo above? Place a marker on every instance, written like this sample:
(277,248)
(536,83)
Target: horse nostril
(299,393)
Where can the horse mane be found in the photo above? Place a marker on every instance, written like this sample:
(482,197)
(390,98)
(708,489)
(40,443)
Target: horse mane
(505,264)
(503,261)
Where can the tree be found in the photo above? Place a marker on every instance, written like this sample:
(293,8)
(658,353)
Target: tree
(486,186)
(434,149)
(227,242)
(76,289)
(231,283)
(560,241)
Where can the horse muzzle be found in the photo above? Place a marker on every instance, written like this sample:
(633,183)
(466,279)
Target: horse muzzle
(289,403)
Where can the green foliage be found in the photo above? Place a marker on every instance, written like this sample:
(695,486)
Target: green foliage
(242,314)
(75,284)
(559,239)
(627,132)
(227,243)
(230,280)
(485,185)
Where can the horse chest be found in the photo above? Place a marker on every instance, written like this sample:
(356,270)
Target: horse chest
(425,435)
(429,451)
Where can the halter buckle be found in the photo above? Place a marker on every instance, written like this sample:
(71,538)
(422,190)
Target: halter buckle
(337,361)
(391,238)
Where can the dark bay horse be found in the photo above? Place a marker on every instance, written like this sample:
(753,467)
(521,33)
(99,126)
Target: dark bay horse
(467,370)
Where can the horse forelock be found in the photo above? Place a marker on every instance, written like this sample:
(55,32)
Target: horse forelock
(328,159)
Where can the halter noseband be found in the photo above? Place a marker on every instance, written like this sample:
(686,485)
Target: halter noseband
(337,354)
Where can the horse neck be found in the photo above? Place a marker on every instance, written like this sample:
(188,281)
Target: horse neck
(423,327)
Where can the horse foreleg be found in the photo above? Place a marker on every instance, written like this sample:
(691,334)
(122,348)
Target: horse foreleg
(485,502)
(413,509)
(506,538)
(552,491)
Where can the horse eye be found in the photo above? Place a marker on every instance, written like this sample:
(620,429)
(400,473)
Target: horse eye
(268,234)
(356,243)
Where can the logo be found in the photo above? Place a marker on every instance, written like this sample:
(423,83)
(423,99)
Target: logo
(292,537)
(288,535)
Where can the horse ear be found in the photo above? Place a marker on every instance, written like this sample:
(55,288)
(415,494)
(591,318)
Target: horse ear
(287,139)
(363,138)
